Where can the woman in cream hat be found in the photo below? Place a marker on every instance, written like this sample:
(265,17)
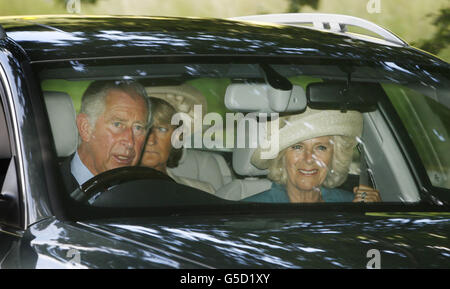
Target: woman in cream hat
(159,153)
(314,156)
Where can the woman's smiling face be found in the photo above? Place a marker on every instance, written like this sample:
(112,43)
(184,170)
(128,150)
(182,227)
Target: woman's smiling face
(307,163)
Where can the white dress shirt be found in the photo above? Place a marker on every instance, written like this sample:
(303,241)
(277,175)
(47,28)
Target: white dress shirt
(80,172)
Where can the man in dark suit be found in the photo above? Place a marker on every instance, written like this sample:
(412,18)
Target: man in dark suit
(112,125)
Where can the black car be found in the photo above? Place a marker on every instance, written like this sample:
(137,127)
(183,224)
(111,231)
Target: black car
(137,217)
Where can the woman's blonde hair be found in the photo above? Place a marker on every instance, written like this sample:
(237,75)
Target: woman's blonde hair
(340,163)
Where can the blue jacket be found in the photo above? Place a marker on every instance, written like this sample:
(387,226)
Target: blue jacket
(277,194)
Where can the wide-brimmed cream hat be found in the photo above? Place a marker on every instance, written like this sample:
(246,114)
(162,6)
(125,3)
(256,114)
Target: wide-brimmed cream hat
(309,124)
(181,97)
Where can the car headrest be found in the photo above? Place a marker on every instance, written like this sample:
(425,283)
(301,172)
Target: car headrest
(242,156)
(62,116)
(242,164)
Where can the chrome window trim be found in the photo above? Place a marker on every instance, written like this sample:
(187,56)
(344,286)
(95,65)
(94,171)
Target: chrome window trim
(17,139)
(11,233)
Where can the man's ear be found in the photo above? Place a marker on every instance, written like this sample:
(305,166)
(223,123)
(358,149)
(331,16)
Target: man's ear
(84,127)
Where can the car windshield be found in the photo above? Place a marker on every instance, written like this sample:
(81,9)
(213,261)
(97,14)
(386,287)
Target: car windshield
(143,132)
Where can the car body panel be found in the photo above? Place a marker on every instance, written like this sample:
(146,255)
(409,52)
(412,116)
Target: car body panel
(52,38)
(324,240)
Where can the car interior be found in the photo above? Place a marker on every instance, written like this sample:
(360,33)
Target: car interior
(378,160)
(241,179)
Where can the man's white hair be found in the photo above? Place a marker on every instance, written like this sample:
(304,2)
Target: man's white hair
(93,101)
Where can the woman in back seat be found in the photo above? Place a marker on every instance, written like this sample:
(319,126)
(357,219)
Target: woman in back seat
(314,156)
(159,153)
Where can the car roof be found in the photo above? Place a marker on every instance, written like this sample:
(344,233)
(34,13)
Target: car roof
(55,37)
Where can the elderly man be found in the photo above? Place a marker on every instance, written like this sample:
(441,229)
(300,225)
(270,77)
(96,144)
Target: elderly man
(112,128)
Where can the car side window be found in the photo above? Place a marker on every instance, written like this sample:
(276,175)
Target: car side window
(5,149)
(427,121)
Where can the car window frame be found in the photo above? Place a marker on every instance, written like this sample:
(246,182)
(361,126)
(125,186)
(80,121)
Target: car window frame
(15,190)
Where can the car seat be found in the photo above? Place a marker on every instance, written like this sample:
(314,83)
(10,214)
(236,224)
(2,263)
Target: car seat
(205,166)
(62,116)
(251,183)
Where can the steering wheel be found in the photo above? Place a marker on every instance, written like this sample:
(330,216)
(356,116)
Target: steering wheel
(106,180)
